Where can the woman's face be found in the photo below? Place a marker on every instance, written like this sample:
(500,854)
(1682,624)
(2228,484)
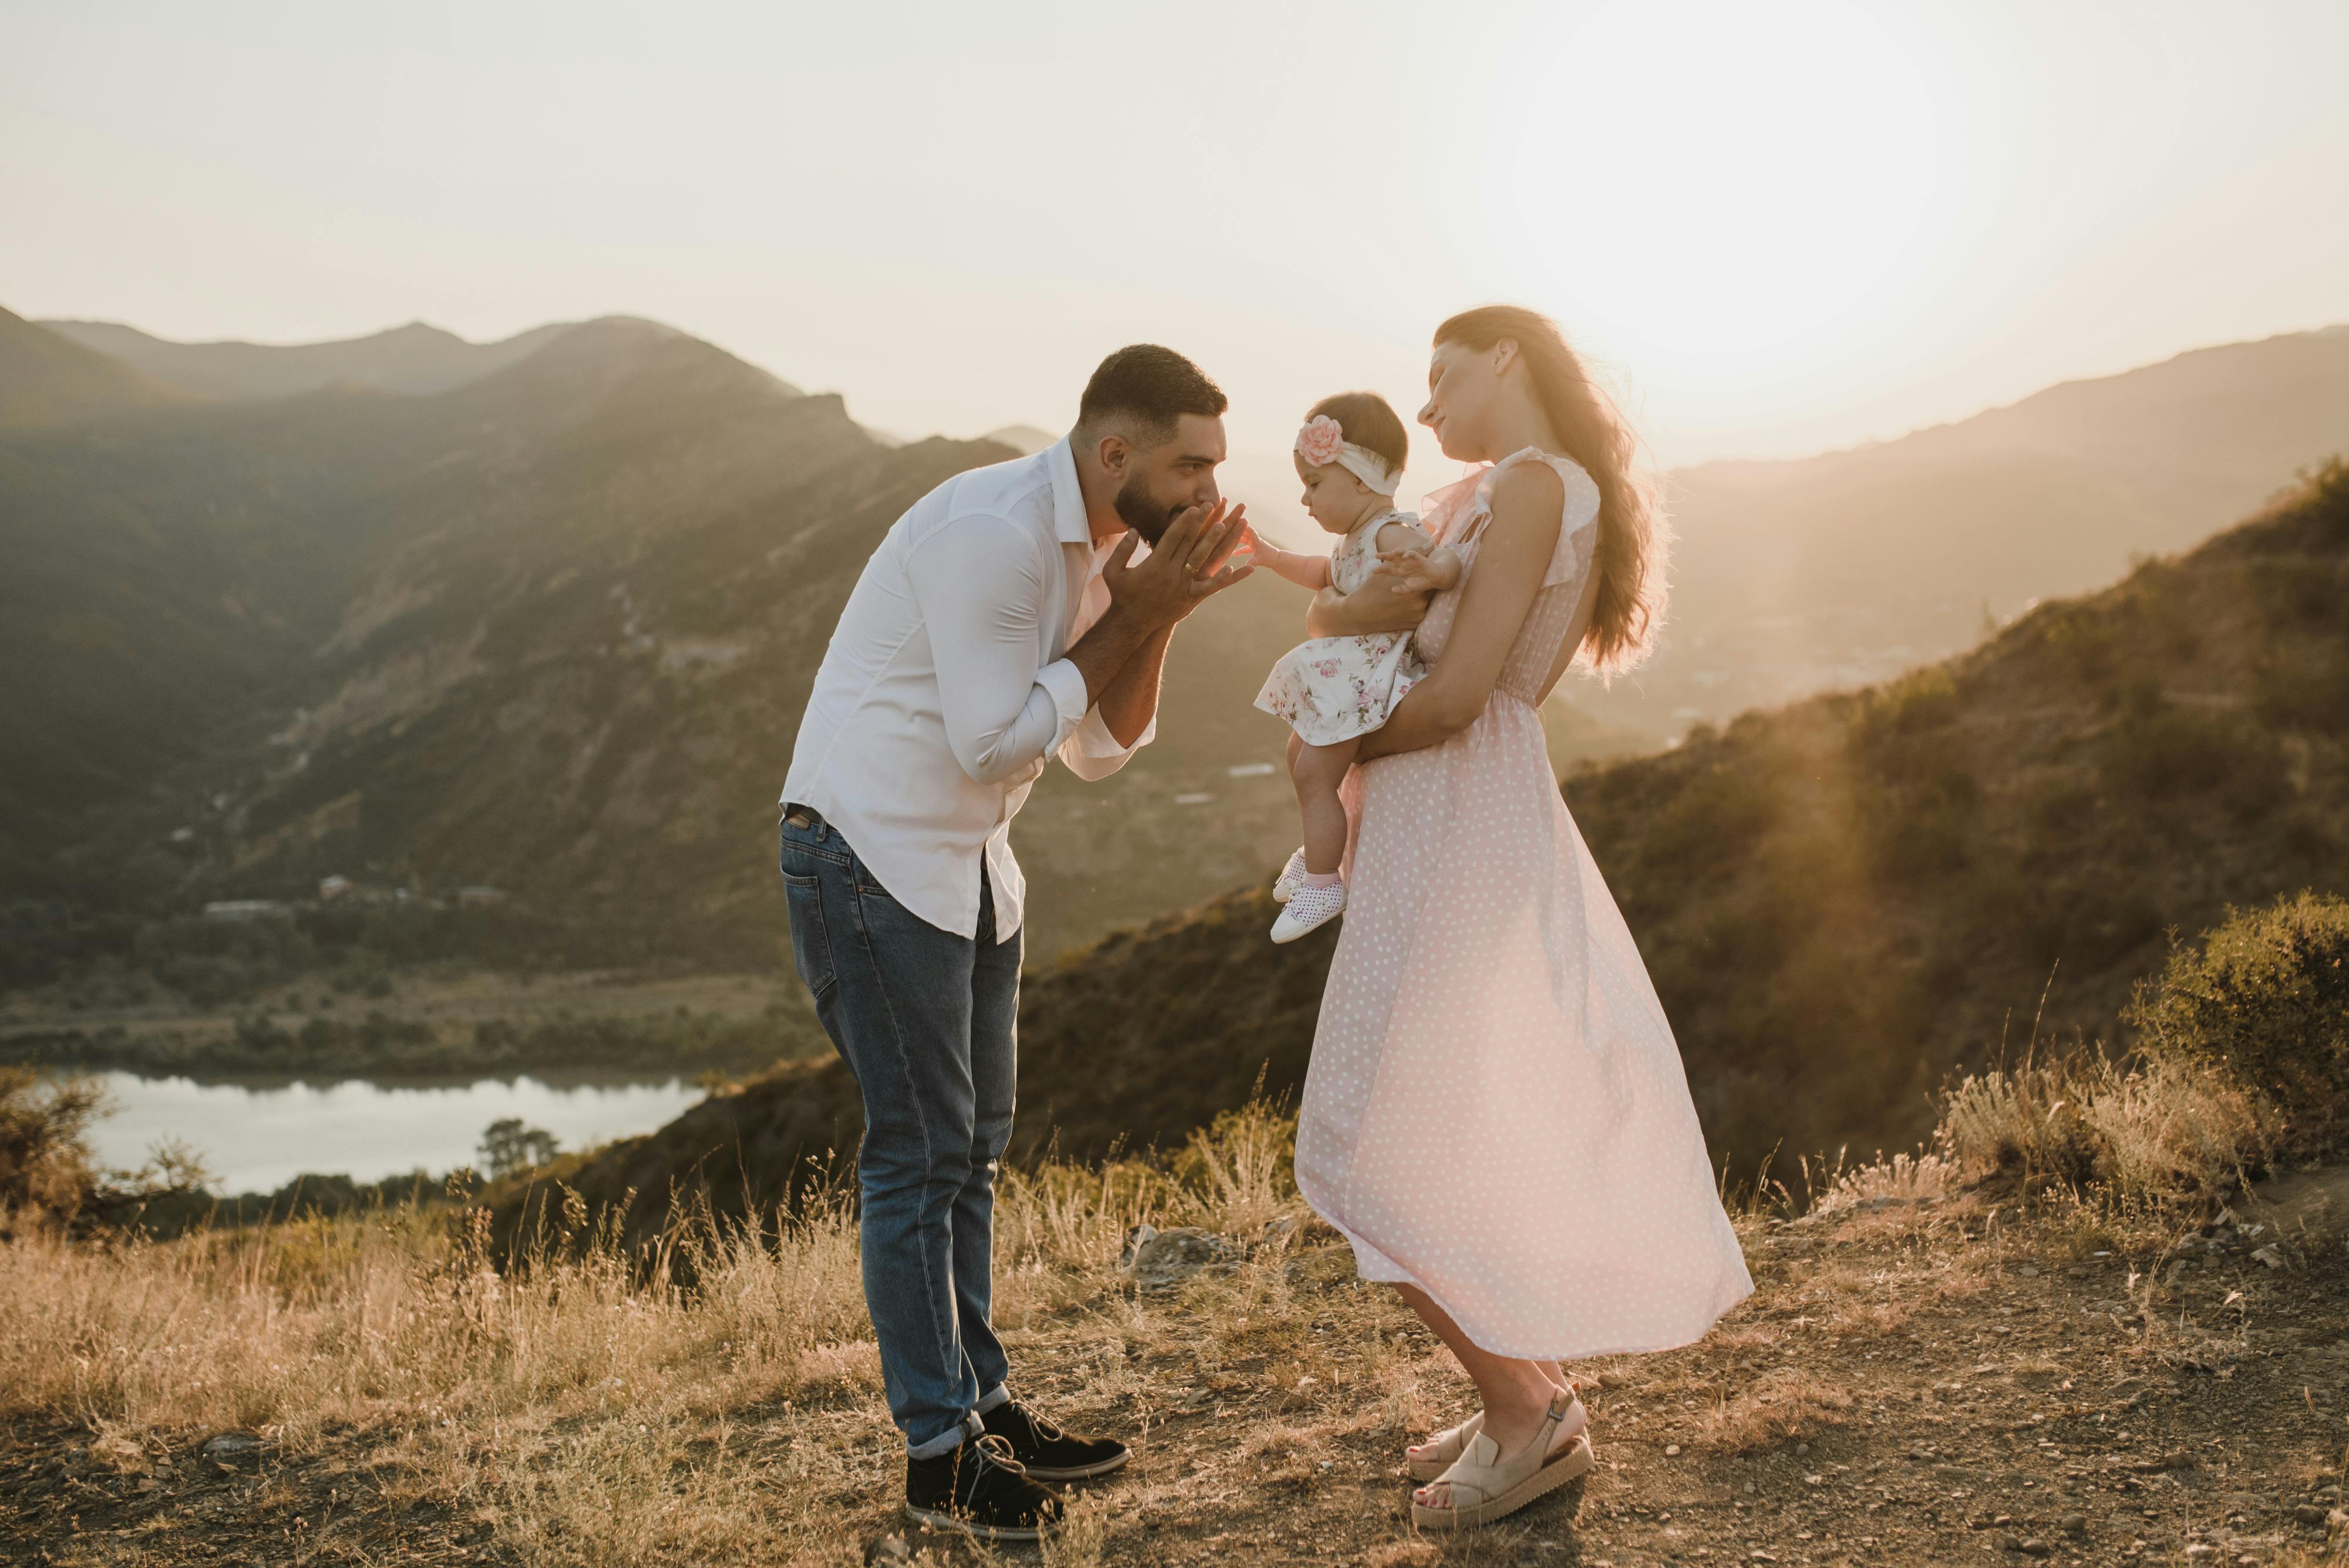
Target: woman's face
(1463,386)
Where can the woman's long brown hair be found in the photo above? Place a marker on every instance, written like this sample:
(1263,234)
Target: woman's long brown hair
(1632,536)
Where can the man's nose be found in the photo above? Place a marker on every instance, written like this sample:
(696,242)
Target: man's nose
(1427,414)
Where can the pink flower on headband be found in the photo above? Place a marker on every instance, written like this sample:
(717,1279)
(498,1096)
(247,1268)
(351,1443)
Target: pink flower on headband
(1321,440)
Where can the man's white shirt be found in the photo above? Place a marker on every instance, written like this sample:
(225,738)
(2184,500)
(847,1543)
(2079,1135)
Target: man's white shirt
(947,687)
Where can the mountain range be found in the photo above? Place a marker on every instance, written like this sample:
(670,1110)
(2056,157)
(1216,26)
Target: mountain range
(541,615)
(416,359)
(1817,573)
(548,629)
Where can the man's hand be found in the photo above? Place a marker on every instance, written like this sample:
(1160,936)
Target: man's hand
(1188,565)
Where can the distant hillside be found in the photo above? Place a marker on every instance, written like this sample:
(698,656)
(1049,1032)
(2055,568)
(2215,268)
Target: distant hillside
(1021,438)
(47,380)
(416,358)
(549,630)
(1839,901)
(1827,572)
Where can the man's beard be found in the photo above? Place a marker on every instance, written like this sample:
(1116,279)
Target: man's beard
(1139,512)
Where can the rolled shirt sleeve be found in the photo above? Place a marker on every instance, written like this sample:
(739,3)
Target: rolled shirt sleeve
(1093,753)
(985,587)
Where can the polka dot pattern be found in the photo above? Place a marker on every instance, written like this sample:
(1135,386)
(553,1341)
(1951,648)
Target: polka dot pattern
(1496,1109)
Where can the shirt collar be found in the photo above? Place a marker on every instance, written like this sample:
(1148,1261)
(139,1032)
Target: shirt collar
(1068,522)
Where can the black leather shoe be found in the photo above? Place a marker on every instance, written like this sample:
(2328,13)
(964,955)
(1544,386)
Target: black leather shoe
(1047,1453)
(980,1488)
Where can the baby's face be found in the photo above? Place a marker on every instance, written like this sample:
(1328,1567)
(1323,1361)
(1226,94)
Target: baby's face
(1333,497)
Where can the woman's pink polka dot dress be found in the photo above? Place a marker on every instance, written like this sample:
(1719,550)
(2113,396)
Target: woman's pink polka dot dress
(1496,1110)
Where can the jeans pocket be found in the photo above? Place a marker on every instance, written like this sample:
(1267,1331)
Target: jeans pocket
(811,944)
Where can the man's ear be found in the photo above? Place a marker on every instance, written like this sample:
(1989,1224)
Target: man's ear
(1112,452)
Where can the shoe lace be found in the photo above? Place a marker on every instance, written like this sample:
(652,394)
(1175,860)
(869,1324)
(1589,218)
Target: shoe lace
(1040,1424)
(997,1450)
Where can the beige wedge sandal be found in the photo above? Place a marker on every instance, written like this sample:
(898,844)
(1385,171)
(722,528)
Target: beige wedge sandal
(1430,1459)
(1434,1456)
(1485,1488)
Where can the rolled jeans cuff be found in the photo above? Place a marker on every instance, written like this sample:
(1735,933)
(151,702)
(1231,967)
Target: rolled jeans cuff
(998,1394)
(948,1441)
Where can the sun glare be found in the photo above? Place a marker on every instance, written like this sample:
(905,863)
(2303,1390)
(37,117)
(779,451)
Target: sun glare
(1731,181)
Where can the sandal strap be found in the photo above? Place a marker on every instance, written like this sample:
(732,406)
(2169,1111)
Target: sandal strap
(1489,1478)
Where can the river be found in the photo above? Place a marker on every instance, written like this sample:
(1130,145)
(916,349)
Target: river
(257,1137)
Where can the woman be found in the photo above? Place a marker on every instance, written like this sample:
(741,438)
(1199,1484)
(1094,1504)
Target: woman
(1496,1116)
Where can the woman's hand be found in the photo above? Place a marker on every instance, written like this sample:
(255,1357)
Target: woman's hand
(1374,606)
(1527,510)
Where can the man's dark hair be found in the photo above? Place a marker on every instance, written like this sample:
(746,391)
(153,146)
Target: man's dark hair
(1150,386)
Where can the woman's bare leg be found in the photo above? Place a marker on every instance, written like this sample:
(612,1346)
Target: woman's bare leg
(1317,772)
(1515,1393)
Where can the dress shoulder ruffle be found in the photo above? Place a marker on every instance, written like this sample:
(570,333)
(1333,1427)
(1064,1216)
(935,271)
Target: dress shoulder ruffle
(1457,515)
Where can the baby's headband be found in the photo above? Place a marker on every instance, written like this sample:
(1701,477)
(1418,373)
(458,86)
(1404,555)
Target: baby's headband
(1323,441)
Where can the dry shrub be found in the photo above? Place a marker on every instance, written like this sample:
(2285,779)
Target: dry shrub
(1783,1405)
(2153,1131)
(2264,1002)
(1240,1171)
(2023,1121)
(2166,1129)
(1903,1179)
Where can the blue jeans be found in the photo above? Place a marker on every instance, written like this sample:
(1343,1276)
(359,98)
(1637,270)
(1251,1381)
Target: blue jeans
(924,1020)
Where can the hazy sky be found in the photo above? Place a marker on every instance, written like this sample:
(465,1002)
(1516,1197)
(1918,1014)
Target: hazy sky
(1787,226)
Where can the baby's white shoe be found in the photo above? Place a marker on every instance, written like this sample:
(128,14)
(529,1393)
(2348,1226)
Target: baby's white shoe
(1310,907)
(1285,885)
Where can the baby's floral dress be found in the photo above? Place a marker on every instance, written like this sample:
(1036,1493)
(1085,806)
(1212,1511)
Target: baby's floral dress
(1333,688)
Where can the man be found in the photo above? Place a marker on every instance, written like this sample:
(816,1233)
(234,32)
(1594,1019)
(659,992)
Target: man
(1003,621)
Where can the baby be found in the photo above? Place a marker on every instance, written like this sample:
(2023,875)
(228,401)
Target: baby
(1333,690)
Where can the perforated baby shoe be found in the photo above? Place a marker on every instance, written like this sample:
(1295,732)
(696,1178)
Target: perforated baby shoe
(1310,907)
(1290,876)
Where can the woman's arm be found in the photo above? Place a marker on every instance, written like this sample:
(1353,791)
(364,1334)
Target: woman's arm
(1529,509)
(1376,606)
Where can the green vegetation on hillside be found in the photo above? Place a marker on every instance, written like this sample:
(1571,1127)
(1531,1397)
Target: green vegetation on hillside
(1843,904)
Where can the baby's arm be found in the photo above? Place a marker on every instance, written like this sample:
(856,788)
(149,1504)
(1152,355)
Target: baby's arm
(1416,562)
(1306,571)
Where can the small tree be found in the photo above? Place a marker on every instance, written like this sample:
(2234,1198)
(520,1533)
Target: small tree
(508,1146)
(2265,1000)
(45,1165)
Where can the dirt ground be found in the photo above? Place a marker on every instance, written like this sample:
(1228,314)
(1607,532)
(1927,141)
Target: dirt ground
(1911,1383)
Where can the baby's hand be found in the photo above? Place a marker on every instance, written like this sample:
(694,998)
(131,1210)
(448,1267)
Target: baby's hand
(1419,571)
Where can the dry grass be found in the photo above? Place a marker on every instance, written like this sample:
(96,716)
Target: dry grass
(593,1413)
(1785,1405)
(579,1411)
(2151,1131)
(1903,1179)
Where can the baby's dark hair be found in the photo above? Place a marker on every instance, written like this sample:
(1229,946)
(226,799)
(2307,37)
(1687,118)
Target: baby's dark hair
(1368,422)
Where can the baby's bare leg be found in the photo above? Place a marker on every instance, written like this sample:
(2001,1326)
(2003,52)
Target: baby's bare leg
(1317,772)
